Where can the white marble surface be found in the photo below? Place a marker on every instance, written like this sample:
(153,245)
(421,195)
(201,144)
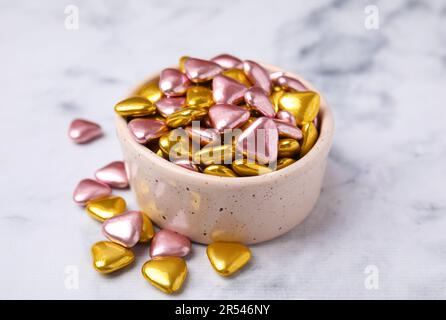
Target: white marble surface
(383,202)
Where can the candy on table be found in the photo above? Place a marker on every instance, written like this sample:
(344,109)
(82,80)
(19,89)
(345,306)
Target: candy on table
(106,208)
(124,229)
(113,174)
(147,231)
(165,273)
(228,257)
(109,256)
(169,243)
(224,94)
(83,131)
(89,189)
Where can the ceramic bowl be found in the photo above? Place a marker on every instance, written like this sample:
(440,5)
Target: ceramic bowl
(209,208)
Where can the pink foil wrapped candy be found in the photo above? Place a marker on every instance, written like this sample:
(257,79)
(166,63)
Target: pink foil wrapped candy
(290,83)
(198,70)
(89,189)
(167,106)
(257,75)
(113,174)
(227,116)
(287,117)
(258,99)
(83,131)
(227,90)
(169,243)
(227,61)
(144,130)
(173,82)
(124,229)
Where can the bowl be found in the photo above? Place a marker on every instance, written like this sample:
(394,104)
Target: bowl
(208,208)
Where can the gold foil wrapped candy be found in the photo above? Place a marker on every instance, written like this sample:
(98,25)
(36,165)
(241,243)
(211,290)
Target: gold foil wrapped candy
(237,75)
(284,162)
(109,256)
(135,106)
(184,117)
(246,168)
(304,106)
(228,257)
(310,134)
(165,273)
(105,208)
(219,170)
(150,91)
(147,232)
(219,154)
(288,148)
(199,97)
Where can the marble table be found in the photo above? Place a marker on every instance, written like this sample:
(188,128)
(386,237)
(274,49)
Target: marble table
(378,229)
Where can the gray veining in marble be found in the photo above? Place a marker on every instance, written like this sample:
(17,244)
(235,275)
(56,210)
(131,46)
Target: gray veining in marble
(383,204)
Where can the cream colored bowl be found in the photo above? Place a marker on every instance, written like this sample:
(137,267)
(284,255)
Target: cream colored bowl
(209,208)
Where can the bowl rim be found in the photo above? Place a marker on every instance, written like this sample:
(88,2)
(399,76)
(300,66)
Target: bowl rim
(323,142)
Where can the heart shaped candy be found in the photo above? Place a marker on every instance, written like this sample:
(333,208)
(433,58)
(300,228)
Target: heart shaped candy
(89,189)
(113,174)
(257,98)
(228,257)
(290,83)
(167,106)
(173,82)
(124,229)
(198,70)
(287,117)
(288,131)
(144,130)
(169,243)
(109,256)
(165,273)
(228,61)
(257,75)
(227,116)
(83,131)
(227,90)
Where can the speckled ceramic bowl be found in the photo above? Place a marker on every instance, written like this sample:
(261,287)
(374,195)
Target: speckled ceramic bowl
(209,208)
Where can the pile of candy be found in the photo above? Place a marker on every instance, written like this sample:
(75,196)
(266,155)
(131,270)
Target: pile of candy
(224,117)
(166,270)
